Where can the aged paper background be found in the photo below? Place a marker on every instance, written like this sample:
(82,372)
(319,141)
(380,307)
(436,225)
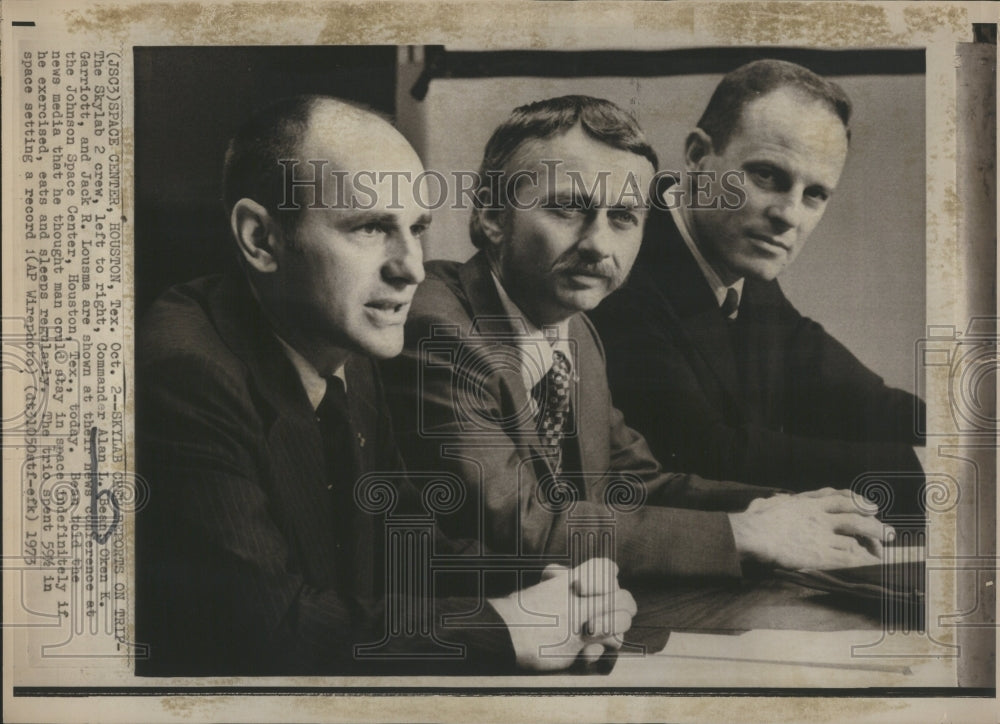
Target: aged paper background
(49,412)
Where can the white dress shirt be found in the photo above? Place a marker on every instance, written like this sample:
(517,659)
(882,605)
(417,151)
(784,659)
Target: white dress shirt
(312,381)
(537,345)
(714,282)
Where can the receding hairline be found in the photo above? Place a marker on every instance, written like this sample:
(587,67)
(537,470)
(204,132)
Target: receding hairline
(801,97)
(724,112)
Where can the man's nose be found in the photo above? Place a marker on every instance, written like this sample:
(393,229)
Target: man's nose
(785,210)
(597,238)
(406,259)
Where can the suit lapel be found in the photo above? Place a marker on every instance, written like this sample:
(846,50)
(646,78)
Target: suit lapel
(294,443)
(591,409)
(679,281)
(764,350)
(490,322)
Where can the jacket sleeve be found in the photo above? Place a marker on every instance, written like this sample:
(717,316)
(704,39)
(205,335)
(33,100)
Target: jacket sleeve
(842,420)
(221,587)
(452,404)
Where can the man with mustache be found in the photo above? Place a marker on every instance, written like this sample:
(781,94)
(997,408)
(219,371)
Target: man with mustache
(511,388)
(259,412)
(706,356)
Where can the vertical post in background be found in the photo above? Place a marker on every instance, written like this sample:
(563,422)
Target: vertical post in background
(977,233)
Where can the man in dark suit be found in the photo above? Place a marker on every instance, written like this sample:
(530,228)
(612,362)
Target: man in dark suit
(706,356)
(264,438)
(511,387)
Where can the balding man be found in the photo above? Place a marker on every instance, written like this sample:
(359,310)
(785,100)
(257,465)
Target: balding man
(260,411)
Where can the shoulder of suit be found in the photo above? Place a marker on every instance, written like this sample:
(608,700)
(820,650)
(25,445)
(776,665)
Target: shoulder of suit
(583,331)
(179,336)
(179,323)
(440,297)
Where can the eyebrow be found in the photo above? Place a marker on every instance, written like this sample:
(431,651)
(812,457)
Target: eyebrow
(379,217)
(587,201)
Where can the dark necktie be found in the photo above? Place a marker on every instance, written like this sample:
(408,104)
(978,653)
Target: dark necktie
(730,305)
(334,419)
(552,395)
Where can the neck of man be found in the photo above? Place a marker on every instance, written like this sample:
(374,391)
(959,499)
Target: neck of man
(725,275)
(539,314)
(325,358)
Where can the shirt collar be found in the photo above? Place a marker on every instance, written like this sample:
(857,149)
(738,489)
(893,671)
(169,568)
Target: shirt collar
(718,288)
(536,358)
(313,383)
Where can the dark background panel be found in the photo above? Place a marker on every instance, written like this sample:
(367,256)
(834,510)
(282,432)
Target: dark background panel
(188,102)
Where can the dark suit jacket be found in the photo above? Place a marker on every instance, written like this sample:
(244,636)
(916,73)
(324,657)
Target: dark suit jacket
(777,402)
(470,416)
(242,567)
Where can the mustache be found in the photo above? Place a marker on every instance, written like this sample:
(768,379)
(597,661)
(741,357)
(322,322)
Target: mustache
(573,265)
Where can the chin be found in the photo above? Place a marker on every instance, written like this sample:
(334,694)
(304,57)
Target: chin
(582,301)
(755,268)
(383,348)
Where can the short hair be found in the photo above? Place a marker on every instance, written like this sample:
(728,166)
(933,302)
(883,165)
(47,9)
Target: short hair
(754,80)
(599,118)
(251,168)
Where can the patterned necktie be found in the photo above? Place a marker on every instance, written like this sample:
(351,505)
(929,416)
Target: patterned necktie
(554,406)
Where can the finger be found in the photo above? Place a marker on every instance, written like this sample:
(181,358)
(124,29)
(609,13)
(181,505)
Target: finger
(824,493)
(871,545)
(610,624)
(847,504)
(848,544)
(852,557)
(855,524)
(592,652)
(595,577)
(622,601)
(552,570)
(864,505)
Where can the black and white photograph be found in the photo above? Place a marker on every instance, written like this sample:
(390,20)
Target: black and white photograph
(519,375)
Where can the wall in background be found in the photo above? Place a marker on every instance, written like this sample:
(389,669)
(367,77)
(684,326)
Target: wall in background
(189,101)
(862,272)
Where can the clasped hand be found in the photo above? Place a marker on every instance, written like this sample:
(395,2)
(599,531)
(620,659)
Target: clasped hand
(569,614)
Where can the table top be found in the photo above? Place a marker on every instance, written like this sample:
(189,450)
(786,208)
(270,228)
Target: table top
(769,632)
(767,603)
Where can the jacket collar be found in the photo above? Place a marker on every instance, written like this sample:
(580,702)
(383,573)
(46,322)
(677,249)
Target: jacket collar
(678,282)
(490,320)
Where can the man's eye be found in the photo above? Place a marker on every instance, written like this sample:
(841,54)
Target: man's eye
(623,217)
(763,176)
(818,195)
(370,229)
(418,230)
(566,207)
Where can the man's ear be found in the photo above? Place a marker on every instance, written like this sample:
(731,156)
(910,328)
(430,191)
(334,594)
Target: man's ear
(491,220)
(697,146)
(490,216)
(256,234)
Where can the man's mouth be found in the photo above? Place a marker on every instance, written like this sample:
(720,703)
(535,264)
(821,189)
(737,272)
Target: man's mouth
(769,241)
(387,305)
(586,278)
(388,311)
